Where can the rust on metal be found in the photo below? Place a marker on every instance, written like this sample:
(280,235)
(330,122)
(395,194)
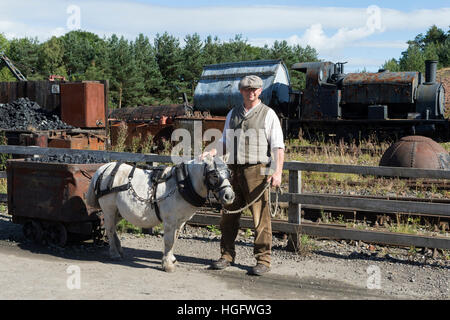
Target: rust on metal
(416,152)
(149,112)
(83,104)
(49,191)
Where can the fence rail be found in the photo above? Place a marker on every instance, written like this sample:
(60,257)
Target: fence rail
(294,226)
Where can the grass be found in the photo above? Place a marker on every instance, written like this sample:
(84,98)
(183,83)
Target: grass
(125,226)
(214,229)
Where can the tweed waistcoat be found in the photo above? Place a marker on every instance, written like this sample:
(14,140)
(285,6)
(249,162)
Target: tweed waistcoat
(250,142)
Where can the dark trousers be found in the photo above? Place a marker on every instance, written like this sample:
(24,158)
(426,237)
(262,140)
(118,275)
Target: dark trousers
(248,182)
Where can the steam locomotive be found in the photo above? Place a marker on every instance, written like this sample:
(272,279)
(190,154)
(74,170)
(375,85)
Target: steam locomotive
(334,104)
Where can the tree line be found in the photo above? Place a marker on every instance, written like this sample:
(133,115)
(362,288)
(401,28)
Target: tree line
(140,72)
(433,45)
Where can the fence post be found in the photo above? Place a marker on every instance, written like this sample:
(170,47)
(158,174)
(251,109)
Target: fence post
(294,209)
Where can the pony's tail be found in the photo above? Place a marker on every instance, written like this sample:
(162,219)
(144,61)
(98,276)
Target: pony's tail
(91,198)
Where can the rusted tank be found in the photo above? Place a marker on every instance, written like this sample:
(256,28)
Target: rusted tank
(48,199)
(416,152)
(83,104)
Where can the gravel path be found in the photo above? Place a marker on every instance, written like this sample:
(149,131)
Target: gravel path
(328,270)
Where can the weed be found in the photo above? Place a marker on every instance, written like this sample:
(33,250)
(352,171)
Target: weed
(248,233)
(158,230)
(3,156)
(305,245)
(125,226)
(121,138)
(214,229)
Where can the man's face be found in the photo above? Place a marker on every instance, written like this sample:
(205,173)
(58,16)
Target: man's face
(250,94)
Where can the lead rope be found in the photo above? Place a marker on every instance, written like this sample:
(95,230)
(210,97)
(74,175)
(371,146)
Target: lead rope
(272,213)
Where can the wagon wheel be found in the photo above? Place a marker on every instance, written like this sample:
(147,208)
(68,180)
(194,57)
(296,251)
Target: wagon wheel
(57,234)
(33,231)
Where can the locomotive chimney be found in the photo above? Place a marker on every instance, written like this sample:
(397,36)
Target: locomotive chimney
(430,71)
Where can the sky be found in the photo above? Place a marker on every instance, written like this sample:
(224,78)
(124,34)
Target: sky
(362,33)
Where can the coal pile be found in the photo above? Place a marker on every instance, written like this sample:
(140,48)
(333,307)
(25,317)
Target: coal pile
(69,159)
(24,114)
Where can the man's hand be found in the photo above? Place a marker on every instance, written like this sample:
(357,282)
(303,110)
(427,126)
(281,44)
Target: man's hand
(276,179)
(211,153)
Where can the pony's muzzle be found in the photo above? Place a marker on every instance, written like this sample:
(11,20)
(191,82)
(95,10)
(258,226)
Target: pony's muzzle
(227,197)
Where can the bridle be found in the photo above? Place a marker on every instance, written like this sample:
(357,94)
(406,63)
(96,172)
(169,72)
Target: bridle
(214,178)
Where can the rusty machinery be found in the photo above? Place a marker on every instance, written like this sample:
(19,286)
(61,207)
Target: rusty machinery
(382,103)
(333,103)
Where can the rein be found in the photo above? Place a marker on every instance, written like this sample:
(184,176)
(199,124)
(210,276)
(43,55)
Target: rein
(267,186)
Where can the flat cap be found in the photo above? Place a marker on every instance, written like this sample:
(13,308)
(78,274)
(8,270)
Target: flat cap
(251,82)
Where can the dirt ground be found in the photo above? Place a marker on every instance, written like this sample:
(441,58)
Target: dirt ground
(333,270)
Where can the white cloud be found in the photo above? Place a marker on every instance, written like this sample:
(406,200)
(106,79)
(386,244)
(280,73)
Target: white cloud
(37,18)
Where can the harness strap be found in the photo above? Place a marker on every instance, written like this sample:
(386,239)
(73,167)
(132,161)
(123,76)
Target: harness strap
(186,188)
(100,193)
(158,213)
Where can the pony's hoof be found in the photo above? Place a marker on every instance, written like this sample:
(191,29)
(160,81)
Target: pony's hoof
(169,269)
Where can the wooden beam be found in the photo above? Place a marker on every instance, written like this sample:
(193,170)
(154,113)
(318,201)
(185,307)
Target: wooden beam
(376,205)
(292,165)
(368,170)
(331,232)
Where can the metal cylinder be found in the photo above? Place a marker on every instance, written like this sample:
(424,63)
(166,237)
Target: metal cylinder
(430,71)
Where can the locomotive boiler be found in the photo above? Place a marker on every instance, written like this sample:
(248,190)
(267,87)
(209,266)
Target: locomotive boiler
(387,104)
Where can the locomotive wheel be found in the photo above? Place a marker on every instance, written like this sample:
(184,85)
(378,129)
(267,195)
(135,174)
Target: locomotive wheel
(33,231)
(57,234)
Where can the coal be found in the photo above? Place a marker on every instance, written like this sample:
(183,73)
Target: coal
(69,159)
(24,114)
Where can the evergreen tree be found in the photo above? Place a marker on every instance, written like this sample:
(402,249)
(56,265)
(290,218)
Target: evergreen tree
(170,62)
(148,68)
(83,50)
(211,52)
(126,82)
(193,61)
(391,65)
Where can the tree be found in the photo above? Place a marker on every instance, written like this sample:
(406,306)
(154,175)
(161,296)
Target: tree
(435,45)
(391,65)
(170,62)
(148,68)
(126,82)
(51,58)
(5,74)
(193,61)
(82,50)
(24,53)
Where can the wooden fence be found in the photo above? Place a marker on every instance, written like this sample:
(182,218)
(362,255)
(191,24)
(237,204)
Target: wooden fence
(294,226)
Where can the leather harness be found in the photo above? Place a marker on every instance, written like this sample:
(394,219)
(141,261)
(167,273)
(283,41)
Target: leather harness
(184,185)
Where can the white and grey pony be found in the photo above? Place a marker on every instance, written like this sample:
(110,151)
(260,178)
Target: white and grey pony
(146,198)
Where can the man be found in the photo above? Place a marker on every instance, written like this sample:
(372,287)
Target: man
(252,131)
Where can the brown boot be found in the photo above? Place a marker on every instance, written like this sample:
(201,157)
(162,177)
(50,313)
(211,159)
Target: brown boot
(221,264)
(259,269)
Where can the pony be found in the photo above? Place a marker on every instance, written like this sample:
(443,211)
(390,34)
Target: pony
(145,198)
